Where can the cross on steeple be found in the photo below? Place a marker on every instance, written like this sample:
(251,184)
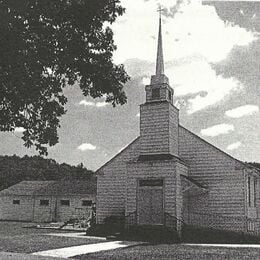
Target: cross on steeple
(160,9)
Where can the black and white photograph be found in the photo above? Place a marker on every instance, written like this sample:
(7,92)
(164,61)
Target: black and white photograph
(129,129)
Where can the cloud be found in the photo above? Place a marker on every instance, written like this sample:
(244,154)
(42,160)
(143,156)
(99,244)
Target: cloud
(208,87)
(101,104)
(217,130)
(19,129)
(243,64)
(86,146)
(180,103)
(190,25)
(146,80)
(93,104)
(172,11)
(243,13)
(242,111)
(138,114)
(234,146)
(87,103)
(199,46)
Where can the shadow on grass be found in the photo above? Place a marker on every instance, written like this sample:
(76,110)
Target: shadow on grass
(212,236)
(149,234)
(161,235)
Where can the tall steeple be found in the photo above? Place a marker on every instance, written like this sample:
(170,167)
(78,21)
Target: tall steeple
(159,118)
(159,77)
(159,60)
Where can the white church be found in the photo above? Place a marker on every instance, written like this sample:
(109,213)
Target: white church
(168,175)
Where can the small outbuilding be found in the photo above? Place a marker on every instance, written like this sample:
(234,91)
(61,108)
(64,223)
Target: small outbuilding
(46,201)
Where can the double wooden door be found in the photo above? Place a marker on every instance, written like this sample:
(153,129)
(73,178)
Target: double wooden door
(150,205)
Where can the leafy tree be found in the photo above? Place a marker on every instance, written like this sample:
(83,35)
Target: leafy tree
(46,45)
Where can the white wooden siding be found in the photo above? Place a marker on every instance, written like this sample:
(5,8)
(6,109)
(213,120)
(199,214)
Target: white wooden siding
(159,128)
(22,212)
(222,174)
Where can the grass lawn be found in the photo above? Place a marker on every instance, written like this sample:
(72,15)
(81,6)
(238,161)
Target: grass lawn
(175,251)
(15,238)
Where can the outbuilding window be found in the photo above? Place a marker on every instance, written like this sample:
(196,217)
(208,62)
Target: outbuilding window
(44,202)
(16,202)
(65,203)
(87,203)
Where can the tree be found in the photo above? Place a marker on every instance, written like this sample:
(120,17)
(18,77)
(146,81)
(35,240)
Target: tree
(46,45)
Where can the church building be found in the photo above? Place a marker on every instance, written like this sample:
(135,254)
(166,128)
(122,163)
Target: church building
(168,175)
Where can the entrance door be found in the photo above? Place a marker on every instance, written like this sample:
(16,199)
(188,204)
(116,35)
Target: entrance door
(150,203)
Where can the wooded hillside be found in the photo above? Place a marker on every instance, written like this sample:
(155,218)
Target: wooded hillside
(14,169)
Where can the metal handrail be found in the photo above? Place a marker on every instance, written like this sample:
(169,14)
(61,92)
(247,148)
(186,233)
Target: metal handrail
(172,221)
(131,219)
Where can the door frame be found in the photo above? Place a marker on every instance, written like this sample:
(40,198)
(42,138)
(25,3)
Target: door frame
(150,187)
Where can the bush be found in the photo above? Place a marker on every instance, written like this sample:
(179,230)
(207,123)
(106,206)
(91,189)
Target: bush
(115,220)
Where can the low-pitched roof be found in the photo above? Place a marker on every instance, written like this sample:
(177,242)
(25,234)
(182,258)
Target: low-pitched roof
(63,187)
(25,187)
(70,187)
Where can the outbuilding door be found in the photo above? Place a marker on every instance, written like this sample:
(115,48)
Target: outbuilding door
(150,202)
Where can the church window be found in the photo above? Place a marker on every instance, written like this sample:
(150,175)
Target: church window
(155,93)
(65,203)
(170,95)
(249,191)
(252,191)
(255,191)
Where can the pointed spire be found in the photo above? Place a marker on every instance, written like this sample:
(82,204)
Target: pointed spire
(159,77)
(159,60)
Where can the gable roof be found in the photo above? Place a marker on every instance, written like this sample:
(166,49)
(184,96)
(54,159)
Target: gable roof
(215,147)
(63,187)
(114,157)
(245,165)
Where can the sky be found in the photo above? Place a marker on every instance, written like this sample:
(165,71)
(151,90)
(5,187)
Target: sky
(212,59)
